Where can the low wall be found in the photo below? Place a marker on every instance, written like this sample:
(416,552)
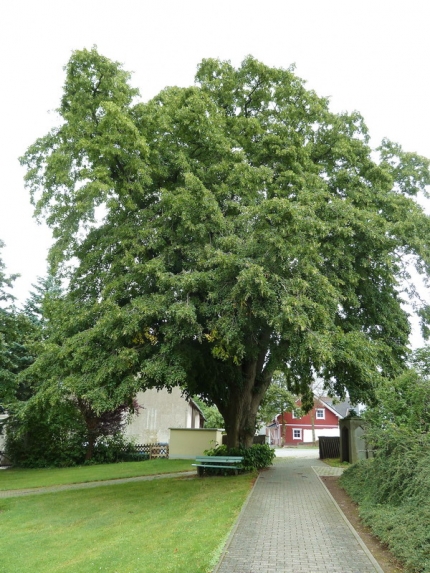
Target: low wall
(187,443)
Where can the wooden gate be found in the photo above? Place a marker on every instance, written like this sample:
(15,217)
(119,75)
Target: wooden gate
(329,447)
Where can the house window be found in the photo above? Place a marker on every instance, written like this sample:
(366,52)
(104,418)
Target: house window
(320,413)
(297,434)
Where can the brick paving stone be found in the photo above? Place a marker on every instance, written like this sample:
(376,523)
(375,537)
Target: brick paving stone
(291,524)
(328,471)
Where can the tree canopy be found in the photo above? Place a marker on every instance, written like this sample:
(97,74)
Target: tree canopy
(16,334)
(222,232)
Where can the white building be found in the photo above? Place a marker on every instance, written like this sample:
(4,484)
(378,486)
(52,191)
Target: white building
(160,410)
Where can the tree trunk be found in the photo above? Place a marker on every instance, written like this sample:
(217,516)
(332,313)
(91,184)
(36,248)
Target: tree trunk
(90,448)
(91,423)
(92,434)
(240,412)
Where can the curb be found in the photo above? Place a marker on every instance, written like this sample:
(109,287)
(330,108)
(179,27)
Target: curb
(234,528)
(378,568)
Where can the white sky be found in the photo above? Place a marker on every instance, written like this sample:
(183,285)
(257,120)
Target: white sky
(368,55)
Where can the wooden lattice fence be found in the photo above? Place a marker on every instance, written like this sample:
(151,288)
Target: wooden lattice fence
(153,450)
(329,447)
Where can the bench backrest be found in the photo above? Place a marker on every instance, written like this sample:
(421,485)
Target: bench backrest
(221,459)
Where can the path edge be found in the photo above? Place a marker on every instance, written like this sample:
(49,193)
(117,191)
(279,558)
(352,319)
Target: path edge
(235,526)
(372,559)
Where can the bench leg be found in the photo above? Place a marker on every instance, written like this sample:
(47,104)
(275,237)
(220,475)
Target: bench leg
(200,472)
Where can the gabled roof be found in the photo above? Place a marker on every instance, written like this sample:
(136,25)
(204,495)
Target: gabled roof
(341,409)
(197,407)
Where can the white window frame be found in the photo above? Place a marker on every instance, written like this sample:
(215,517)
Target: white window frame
(318,411)
(299,431)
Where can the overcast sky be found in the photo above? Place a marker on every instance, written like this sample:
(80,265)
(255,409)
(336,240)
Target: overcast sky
(369,55)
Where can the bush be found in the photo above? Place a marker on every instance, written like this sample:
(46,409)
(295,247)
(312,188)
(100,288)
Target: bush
(55,436)
(45,437)
(393,492)
(393,489)
(256,457)
(112,449)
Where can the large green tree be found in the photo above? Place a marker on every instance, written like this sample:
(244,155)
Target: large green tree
(222,232)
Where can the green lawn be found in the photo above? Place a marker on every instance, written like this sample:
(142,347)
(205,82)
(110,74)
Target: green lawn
(336,463)
(27,478)
(173,525)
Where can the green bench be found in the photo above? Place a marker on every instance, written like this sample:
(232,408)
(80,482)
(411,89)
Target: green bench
(223,462)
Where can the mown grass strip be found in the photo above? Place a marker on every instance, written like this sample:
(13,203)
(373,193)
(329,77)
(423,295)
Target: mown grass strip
(172,525)
(28,478)
(336,463)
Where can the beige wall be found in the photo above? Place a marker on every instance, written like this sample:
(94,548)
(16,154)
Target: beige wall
(160,410)
(189,443)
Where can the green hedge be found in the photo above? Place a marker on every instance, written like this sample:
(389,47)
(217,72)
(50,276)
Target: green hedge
(256,457)
(393,493)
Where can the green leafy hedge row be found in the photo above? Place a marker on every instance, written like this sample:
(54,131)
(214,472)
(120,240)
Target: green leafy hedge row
(393,492)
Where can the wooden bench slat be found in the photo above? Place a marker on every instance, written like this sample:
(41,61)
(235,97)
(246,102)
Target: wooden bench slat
(214,466)
(219,459)
(221,462)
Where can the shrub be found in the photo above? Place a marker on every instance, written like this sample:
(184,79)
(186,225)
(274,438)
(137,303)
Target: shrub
(256,457)
(393,492)
(393,489)
(55,436)
(116,448)
(45,437)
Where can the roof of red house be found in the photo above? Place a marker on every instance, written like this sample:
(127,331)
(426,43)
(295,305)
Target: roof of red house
(341,409)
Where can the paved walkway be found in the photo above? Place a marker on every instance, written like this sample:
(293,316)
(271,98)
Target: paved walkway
(291,524)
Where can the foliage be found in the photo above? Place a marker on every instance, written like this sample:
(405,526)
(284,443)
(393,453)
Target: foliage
(393,489)
(245,229)
(16,335)
(53,430)
(6,283)
(256,457)
(113,449)
(213,417)
(403,404)
(391,477)
(45,436)
(277,400)
(393,492)
(39,303)
(17,338)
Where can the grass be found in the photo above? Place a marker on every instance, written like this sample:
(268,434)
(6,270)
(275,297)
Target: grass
(173,525)
(28,478)
(336,463)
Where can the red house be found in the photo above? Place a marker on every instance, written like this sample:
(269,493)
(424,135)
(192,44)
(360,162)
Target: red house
(322,420)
